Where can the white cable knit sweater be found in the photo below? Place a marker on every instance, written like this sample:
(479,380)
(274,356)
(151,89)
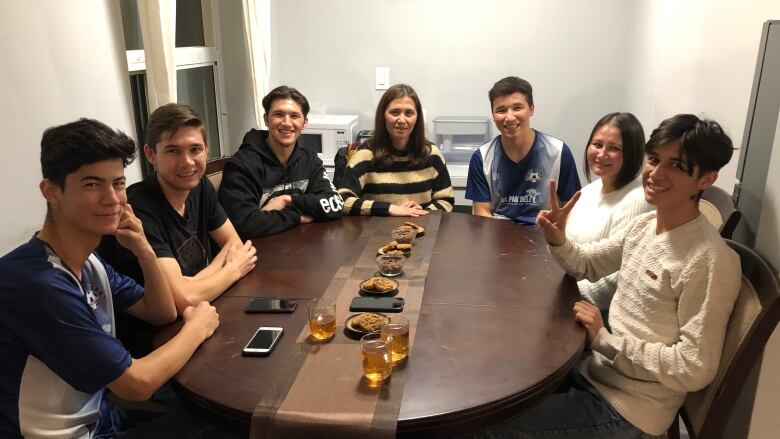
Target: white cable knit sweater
(598,216)
(675,292)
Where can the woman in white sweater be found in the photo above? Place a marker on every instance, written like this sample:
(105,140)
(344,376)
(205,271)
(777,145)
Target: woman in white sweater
(614,153)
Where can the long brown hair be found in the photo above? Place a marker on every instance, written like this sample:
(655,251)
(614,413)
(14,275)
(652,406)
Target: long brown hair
(418,148)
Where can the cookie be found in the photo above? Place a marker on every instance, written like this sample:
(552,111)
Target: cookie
(368,321)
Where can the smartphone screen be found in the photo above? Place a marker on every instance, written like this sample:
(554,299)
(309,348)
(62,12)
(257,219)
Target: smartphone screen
(264,341)
(271,305)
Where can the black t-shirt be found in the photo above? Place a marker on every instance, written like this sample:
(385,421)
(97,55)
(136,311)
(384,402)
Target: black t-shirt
(184,238)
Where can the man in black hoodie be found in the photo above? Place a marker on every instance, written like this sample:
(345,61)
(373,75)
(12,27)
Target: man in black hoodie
(272,184)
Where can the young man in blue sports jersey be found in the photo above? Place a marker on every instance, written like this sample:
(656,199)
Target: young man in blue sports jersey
(58,299)
(509,176)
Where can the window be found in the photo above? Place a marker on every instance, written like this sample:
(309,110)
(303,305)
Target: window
(197,77)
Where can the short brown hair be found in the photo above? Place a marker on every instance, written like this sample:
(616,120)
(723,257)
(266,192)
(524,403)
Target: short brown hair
(509,86)
(285,92)
(168,119)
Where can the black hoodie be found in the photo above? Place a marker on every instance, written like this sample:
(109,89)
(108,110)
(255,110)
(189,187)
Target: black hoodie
(254,175)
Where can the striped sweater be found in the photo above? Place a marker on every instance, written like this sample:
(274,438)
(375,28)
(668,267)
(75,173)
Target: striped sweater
(370,190)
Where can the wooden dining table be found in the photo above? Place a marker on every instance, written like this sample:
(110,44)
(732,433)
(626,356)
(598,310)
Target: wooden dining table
(495,335)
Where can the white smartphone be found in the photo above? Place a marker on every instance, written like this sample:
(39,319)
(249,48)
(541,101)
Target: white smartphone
(263,342)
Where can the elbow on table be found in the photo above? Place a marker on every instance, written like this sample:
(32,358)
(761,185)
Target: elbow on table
(182,299)
(161,319)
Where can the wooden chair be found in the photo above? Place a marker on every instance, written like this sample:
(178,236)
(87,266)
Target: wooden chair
(718,207)
(755,315)
(214,170)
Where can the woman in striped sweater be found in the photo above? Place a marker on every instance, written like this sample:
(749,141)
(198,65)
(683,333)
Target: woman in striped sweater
(399,173)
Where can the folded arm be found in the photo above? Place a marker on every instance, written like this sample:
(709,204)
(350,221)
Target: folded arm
(236,261)
(321,200)
(240,193)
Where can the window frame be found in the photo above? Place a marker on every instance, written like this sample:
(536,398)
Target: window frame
(189,58)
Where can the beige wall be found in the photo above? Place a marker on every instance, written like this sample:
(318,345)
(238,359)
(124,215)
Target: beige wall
(60,61)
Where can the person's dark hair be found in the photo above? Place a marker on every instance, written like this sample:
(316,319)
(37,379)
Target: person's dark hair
(66,148)
(418,148)
(168,119)
(703,143)
(285,92)
(633,138)
(511,85)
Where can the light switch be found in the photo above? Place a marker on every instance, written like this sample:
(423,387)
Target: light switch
(382,78)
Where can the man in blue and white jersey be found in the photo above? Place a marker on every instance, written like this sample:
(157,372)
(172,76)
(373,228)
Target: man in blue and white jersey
(509,177)
(57,298)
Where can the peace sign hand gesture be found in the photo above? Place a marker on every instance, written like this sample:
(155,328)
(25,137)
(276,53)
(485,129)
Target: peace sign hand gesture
(552,222)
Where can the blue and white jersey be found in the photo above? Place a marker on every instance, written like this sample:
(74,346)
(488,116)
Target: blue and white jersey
(57,343)
(518,191)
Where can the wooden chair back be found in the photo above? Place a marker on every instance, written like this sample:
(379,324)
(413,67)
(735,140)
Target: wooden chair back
(214,170)
(753,319)
(718,207)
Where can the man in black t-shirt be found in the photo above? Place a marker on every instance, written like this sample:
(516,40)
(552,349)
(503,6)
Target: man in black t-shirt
(181,214)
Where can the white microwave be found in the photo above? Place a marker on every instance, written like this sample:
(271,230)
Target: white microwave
(326,133)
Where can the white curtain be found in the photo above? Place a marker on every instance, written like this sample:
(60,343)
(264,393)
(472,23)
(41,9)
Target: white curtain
(257,40)
(158,30)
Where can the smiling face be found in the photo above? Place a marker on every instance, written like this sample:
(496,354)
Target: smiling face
(285,121)
(512,115)
(400,119)
(179,160)
(92,199)
(605,154)
(668,186)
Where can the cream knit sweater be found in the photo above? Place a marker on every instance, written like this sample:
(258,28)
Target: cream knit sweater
(598,216)
(675,292)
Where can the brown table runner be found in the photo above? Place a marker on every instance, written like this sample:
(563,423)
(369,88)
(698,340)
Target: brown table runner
(321,390)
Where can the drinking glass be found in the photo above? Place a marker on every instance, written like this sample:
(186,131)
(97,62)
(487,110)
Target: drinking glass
(377,365)
(322,319)
(398,329)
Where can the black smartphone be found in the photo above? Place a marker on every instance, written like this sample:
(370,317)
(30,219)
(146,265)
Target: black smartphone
(386,304)
(263,342)
(270,305)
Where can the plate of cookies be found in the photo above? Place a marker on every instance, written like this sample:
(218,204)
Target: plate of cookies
(364,323)
(379,286)
(417,228)
(394,248)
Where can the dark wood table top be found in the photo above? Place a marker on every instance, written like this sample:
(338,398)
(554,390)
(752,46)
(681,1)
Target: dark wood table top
(496,332)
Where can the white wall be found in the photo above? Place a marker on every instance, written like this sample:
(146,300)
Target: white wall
(576,55)
(706,59)
(60,61)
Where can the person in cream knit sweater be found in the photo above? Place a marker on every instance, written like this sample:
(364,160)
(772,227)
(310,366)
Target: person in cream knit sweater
(677,283)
